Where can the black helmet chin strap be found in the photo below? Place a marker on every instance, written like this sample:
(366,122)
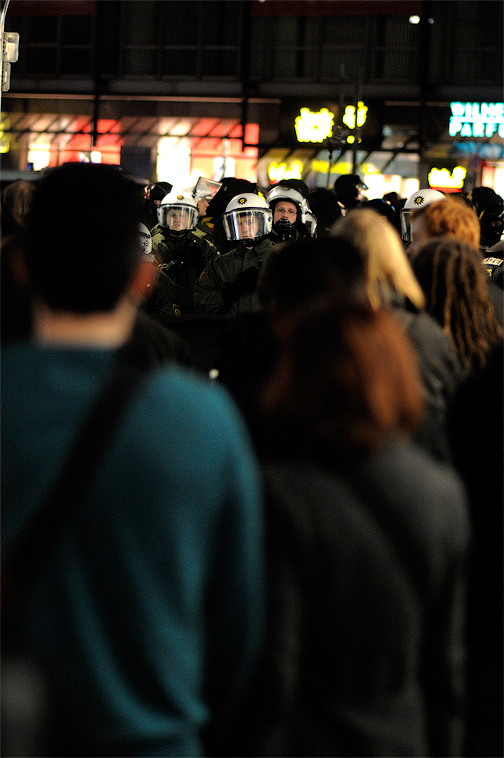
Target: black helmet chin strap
(178,234)
(284,229)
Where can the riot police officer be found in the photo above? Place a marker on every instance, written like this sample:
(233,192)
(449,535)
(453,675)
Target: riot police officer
(227,286)
(153,194)
(182,251)
(289,209)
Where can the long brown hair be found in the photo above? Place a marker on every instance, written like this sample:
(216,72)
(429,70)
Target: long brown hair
(346,379)
(455,284)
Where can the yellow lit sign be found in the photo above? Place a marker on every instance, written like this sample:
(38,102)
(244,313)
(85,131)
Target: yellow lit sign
(4,141)
(279,171)
(314,127)
(349,115)
(443,178)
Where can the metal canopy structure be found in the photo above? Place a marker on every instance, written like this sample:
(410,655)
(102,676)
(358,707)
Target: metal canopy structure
(61,129)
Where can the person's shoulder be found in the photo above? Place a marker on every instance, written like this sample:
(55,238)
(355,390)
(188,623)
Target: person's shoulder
(266,244)
(424,331)
(431,491)
(184,396)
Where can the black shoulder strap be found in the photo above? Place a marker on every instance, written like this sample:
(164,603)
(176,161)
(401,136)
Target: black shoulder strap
(76,475)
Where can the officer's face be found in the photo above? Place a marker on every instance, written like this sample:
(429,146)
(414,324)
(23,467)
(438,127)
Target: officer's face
(248,226)
(177,219)
(203,205)
(285,210)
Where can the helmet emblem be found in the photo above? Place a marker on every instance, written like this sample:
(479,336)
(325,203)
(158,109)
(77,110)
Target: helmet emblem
(180,197)
(418,200)
(242,200)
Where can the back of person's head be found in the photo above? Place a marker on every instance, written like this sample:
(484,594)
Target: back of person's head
(455,284)
(16,201)
(230,187)
(81,241)
(346,379)
(297,272)
(326,208)
(384,209)
(451,217)
(389,273)
(489,207)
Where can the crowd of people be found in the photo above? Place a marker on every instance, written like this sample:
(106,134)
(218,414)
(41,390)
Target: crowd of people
(252,448)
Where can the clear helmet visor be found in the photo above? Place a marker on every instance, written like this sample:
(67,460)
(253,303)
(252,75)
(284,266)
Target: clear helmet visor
(247,224)
(406,226)
(178,218)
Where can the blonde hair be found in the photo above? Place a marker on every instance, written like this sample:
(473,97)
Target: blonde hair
(451,217)
(388,269)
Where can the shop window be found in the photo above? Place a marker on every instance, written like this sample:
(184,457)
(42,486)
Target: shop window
(180,62)
(180,23)
(42,30)
(140,23)
(221,22)
(340,64)
(76,61)
(295,40)
(140,61)
(394,50)
(219,63)
(343,30)
(76,30)
(41,61)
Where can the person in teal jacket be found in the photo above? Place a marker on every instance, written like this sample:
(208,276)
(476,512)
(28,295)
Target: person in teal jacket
(227,286)
(146,616)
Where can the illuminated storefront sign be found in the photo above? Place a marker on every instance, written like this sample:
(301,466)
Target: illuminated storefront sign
(349,118)
(317,126)
(441,177)
(279,171)
(314,127)
(476,119)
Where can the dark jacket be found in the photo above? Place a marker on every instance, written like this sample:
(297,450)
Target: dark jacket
(366,576)
(181,261)
(224,270)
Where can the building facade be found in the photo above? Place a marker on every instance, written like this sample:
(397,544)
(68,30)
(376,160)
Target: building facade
(406,92)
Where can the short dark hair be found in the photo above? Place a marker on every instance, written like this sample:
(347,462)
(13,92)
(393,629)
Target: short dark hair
(81,237)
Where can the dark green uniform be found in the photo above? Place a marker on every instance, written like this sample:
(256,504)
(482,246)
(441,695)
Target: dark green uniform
(241,264)
(181,261)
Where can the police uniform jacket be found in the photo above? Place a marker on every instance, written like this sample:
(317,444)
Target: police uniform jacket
(223,269)
(181,261)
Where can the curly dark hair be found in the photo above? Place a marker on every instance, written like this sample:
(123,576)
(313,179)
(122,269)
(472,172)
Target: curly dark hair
(455,285)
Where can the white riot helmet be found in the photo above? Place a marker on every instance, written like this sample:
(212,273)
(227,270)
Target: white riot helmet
(145,240)
(247,217)
(178,211)
(310,223)
(286,227)
(417,200)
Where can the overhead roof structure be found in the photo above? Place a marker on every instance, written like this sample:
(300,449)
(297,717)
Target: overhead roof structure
(60,129)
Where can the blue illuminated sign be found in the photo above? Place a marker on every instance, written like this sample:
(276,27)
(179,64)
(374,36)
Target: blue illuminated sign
(476,120)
